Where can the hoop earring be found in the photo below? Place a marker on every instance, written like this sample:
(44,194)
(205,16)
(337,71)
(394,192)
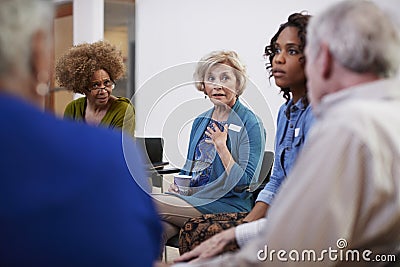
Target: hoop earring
(42,88)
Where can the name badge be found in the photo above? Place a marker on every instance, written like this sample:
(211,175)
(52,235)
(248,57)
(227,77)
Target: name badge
(234,127)
(296,132)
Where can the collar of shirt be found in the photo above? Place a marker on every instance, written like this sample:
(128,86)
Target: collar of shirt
(383,88)
(292,108)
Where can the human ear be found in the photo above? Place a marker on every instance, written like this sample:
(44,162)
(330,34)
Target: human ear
(326,60)
(40,61)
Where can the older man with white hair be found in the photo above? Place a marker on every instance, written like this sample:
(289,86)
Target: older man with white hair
(343,206)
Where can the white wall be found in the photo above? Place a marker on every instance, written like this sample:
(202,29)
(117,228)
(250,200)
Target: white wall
(88,20)
(173,34)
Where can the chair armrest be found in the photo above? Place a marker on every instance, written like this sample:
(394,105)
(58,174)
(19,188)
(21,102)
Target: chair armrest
(168,171)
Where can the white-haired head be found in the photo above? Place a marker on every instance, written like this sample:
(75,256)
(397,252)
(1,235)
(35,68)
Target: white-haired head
(19,21)
(360,35)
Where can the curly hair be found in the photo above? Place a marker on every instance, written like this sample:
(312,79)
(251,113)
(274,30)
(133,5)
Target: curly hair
(74,69)
(300,21)
(229,58)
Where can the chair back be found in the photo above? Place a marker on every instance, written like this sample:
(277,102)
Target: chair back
(153,148)
(265,172)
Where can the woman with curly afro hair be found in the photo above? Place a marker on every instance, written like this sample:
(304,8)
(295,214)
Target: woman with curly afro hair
(92,70)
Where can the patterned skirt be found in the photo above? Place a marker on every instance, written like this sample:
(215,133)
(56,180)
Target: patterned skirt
(199,229)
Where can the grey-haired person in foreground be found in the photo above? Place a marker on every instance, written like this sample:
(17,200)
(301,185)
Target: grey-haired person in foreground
(61,203)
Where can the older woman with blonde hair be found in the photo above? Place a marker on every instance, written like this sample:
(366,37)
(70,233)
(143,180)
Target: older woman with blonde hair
(225,148)
(92,70)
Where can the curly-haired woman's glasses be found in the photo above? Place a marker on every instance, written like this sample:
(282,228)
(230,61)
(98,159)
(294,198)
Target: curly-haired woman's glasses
(97,86)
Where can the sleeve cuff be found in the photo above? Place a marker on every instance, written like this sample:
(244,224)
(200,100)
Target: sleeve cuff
(266,196)
(248,231)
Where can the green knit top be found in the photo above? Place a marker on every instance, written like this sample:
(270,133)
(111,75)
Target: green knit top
(120,115)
